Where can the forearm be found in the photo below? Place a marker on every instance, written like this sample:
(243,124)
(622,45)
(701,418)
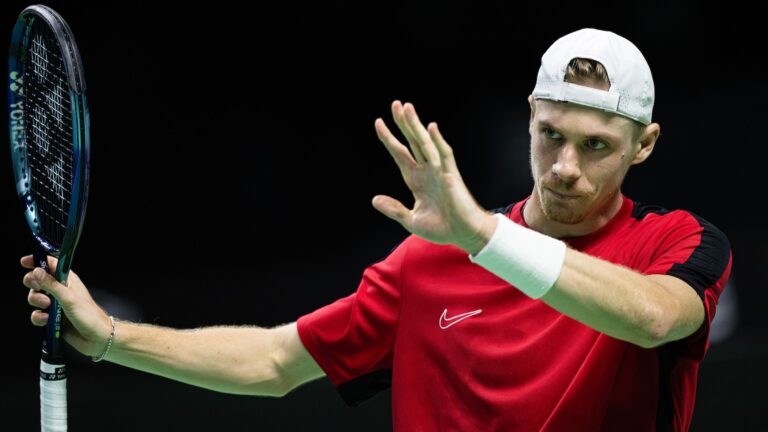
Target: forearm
(237,360)
(647,310)
(613,299)
(242,360)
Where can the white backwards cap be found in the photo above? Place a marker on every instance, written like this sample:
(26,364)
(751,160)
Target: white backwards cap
(631,93)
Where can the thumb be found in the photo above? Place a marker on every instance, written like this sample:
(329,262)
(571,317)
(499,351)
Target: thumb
(391,208)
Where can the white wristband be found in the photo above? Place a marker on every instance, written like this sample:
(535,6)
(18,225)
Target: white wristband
(527,259)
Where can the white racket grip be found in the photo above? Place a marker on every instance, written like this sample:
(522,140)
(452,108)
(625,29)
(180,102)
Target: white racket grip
(53,398)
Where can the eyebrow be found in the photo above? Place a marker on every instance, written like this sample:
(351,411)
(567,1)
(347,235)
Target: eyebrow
(608,138)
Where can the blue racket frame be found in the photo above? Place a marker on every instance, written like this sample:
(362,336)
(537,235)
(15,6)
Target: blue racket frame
(53,349)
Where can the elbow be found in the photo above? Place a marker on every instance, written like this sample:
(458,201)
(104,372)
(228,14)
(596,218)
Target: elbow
(274,380)
(264,378)
(656,329)
(653,337)
(266,383)
(270,376)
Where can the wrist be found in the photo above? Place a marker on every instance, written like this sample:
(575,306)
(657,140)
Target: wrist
(104,351)
(482,234)
(525,258)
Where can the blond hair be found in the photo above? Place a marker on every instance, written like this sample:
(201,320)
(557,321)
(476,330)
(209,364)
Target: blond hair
(586,71)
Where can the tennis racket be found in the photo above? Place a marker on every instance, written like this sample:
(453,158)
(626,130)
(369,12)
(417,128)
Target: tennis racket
(48,125)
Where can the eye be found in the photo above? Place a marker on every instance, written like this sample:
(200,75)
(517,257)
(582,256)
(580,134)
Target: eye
(594,144)
(551,134)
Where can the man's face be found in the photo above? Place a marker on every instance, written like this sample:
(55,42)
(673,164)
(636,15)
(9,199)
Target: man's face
(579,157)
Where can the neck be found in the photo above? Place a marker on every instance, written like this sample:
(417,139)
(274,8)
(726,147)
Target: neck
(536,219)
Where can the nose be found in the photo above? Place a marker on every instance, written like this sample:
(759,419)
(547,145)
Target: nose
(566,168)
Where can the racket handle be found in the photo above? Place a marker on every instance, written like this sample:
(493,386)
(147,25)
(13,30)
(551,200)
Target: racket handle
(53,397)
(41,257)
(53,371)
(53,349)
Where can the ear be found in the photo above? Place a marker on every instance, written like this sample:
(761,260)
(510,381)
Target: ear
(532,103)
(647,142)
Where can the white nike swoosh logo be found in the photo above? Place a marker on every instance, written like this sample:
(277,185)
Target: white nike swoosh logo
(447,322)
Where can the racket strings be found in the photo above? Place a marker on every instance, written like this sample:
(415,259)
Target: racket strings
(49,128)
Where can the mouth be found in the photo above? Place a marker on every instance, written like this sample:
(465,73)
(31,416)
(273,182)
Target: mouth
(562,197)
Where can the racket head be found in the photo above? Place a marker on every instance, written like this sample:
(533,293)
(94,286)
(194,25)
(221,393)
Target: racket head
(49,130)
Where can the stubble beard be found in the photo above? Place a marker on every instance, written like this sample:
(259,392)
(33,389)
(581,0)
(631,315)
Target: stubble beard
(561,212)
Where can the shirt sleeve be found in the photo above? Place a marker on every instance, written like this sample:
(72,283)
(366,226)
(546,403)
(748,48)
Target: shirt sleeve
(353,339)
(697,252)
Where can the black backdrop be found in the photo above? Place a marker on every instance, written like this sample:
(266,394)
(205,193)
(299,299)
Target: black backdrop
(234,159)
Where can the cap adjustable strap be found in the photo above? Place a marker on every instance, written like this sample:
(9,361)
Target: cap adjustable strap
(588,96)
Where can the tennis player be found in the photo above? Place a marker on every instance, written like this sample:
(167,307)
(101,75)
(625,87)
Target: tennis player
(575,308)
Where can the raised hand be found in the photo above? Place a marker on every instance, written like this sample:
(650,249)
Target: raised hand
(444,211)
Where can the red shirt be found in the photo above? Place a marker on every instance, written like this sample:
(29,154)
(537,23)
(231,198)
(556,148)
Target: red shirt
(465,351)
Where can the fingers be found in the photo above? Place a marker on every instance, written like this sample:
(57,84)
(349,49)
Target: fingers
(398,115)
(38,279)
(39,318)
(392,208)
(421,136)
(42,301)
(398,151)
(446,152)
(29,262)
(38,299)
(427,144)
(33,281)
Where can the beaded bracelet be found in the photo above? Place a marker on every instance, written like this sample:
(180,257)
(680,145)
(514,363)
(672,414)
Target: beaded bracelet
(109,343)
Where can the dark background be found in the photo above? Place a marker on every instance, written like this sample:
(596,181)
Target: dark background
(234,160)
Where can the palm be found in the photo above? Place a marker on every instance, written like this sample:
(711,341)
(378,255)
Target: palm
(433,201)
(444,210)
